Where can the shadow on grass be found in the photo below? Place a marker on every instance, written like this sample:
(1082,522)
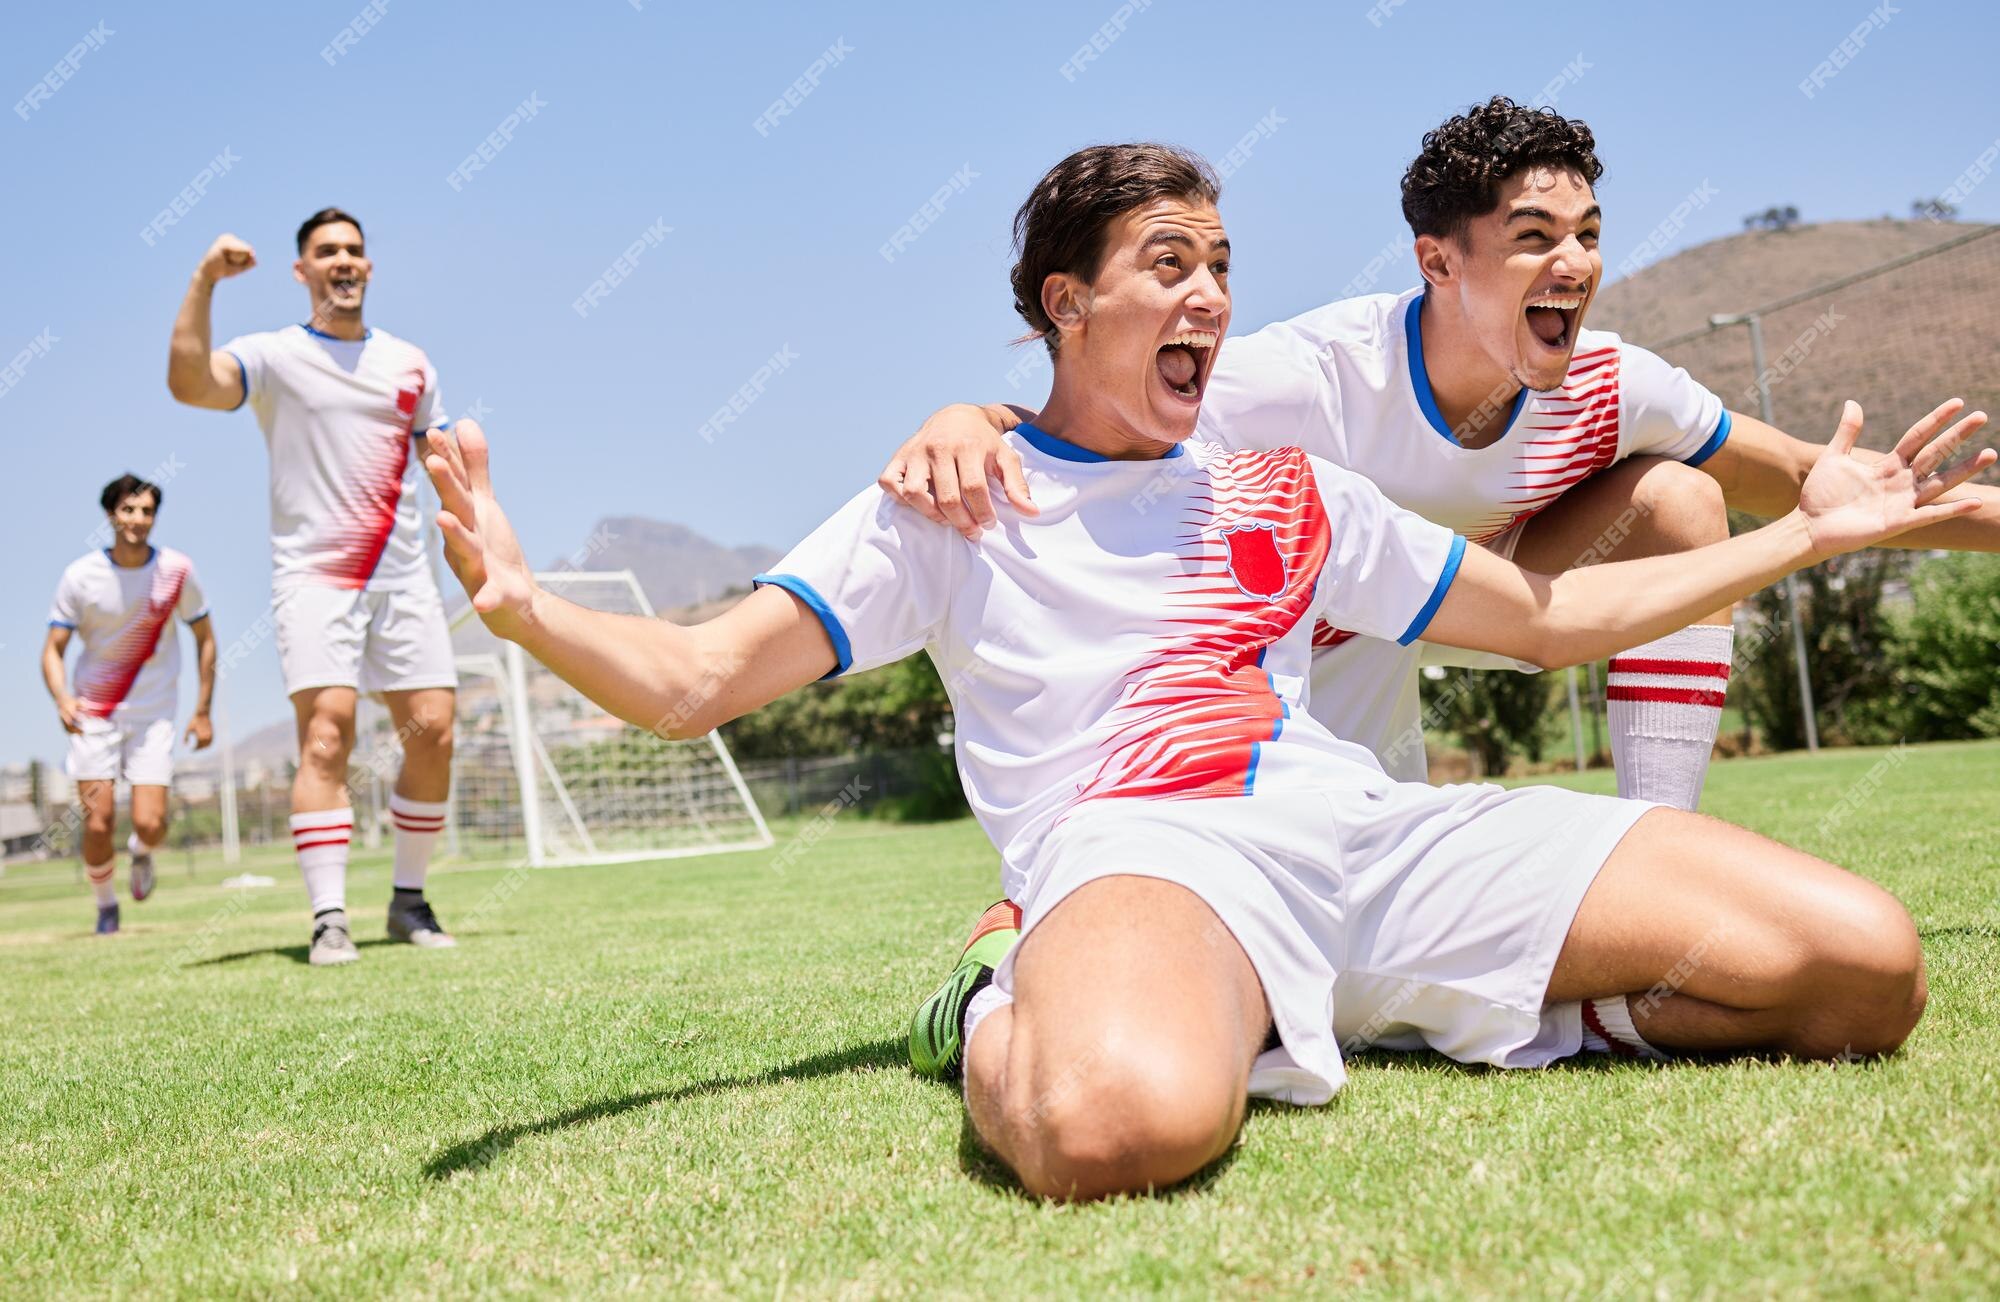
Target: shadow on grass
(303,953)
(296,953)
(474,1154)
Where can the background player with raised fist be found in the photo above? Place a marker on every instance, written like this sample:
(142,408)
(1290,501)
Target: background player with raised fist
(355,605)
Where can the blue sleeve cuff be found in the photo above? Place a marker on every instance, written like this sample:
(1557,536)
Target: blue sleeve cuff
(197,617)
(1450,572)
(62,623)
(843,650)
(243,377)
(1715,440)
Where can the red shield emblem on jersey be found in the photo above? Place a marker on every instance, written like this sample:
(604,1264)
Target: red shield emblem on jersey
(1254,561)
(406,402)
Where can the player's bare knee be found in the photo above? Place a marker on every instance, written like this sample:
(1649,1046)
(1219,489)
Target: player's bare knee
(1678,506)
(1868,972)
(1125,1124)
(152,829)
(328,740)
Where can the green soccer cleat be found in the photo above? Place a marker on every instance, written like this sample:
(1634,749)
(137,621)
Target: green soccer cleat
(937,1032)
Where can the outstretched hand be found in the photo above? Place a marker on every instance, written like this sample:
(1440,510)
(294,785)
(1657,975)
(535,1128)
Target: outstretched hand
(479,544)
(1850,503)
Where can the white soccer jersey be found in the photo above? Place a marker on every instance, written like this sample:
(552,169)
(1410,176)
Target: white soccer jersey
(131,662)
(1347,382)
(1147,636)
(338,415)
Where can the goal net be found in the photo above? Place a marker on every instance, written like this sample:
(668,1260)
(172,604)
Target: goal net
(541,773)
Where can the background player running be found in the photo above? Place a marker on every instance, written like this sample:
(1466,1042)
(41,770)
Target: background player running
(1197,860)
(1480,401)
(356,607)
(122,601)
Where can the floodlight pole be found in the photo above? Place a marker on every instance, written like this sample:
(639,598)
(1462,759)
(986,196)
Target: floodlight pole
(1756,324)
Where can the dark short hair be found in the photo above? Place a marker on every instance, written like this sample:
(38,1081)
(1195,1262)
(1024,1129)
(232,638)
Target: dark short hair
(125,486)
(1064,223)
(1457,176)
(326,217)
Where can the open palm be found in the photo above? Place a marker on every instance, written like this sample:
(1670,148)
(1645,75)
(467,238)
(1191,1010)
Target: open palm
(479,543)
(1851,502)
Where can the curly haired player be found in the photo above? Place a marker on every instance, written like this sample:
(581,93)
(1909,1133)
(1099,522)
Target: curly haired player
(1480,401)
(1216,890)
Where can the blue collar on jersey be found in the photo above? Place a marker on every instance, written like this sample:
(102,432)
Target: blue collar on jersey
(1063,450)
(151,552)
(1420,378)
(366,331)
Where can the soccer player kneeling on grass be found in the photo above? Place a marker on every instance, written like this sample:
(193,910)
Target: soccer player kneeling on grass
(1217,892)
(123,600)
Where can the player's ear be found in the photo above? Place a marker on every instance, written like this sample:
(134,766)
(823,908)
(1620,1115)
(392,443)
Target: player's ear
(1066,300)
(1436,259)
(299,271)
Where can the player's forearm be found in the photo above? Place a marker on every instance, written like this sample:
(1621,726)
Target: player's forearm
(205,672)
(53,677)
(1600,610)
(651,673)
(188,374)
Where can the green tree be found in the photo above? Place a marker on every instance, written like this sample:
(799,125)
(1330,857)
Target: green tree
(897,707)
(1946,654)
(1848,640)
(1494,713)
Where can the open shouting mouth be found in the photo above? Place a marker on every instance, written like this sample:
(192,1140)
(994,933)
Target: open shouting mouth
(1183,362)
(1552,316)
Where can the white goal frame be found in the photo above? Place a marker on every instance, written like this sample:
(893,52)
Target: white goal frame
(531,759)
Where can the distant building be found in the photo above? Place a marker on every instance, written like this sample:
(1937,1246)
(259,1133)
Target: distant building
(20,829)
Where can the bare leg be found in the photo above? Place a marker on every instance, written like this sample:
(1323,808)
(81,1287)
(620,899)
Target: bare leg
(325,717)
(1123,1063)
(1643,506)
(423,719)
(1724,940)
(100,815)
(149,814)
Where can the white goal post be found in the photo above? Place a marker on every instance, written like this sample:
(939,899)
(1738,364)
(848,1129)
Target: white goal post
(540,772)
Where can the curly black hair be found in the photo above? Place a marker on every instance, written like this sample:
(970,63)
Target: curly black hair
(1457,176)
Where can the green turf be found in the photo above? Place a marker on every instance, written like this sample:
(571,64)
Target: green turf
(687,1078)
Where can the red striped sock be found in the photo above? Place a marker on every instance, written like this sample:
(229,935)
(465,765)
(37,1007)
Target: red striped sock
(1608,1028)
(320,839)
(103,881)
(1665,702)
(418,823)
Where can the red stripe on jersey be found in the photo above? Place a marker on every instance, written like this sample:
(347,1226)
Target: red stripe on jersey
(1194,713)
(367,508)
(101,691)
(1669,695)
(1687,668)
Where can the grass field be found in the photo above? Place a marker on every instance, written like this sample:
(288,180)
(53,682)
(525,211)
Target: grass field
(688,1078)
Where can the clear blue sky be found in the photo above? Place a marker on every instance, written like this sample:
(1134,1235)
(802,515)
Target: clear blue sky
(648,117)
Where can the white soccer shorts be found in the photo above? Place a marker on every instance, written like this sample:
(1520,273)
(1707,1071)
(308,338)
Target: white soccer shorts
(141,751)
(1396,916)
(371,641)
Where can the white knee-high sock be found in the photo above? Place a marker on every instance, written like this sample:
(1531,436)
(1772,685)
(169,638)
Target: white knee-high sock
(103,881)
(418,823)
(320,840)
(1665,703)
